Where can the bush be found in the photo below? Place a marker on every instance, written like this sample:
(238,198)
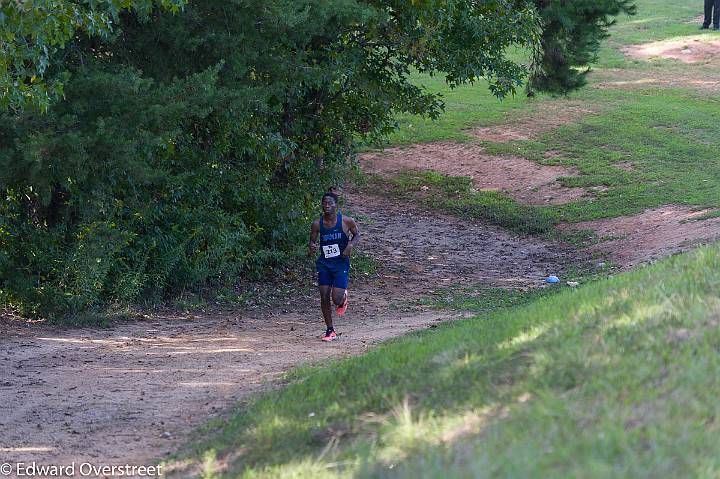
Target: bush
(190,149)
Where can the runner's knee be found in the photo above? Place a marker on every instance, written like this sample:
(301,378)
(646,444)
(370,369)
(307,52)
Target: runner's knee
(325,296)
(338,297)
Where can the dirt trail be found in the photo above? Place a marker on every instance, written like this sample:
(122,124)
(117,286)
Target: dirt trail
(525,181)
(652,234)
(693,49)
(132,393)
(695,60)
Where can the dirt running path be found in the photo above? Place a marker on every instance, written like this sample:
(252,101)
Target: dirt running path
(133,393)
(653,234)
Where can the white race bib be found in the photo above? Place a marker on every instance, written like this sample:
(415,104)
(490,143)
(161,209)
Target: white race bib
(331,251)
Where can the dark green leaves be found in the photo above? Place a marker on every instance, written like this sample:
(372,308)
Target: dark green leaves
(571,35)
(32,32)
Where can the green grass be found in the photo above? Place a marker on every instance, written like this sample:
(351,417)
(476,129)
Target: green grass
(618,378)
(364,264)
(486,300)
(657,20)
(668,135)
(706,216)
(669,138)
(473,105)
(465,106)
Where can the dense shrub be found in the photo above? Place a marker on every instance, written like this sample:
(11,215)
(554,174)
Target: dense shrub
(190,148)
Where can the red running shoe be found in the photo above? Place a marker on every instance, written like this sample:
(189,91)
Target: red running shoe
(343,307)
(330,335)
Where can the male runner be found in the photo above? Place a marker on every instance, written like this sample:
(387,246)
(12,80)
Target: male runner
(333,265)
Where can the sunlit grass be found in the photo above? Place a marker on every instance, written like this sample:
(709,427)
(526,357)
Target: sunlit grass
(617,377)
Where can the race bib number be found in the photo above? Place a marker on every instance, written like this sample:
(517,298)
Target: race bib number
(331,251)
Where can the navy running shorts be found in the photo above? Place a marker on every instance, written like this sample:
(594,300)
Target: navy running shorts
(333,275)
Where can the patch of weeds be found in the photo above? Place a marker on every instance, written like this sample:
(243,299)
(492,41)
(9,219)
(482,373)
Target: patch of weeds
(501,210)
(580,238)
(588,181)
(364,264)
(485,300)
(456,195)
(707,216)
(233,296)
(530,149)
(421,180)
(189,302)
(94,317)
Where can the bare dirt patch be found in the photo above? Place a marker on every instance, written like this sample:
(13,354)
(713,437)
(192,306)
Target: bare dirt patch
(625,166)
(547,117)
(633,82)
(675,82)
(686,50)
(441,250)
(133,393)
(698,76)
(652,234)
(525,181)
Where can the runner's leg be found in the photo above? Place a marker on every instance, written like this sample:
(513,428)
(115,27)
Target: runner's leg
(325,304)
(340,284)
(339,292)
(338,296)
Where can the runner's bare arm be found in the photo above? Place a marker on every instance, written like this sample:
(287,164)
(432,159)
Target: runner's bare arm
(352,227)
(314,247)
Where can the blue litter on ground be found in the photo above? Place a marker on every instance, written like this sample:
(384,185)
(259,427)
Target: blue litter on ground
(552,279)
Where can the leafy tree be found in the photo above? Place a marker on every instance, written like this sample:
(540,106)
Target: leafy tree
(32,32)
(571,36)
(189,148)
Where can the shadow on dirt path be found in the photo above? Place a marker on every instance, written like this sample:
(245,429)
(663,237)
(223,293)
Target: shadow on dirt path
(134,393)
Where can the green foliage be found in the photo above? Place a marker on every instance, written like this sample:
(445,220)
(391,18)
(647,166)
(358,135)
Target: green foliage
(571,35)
(32,32)
(190,148)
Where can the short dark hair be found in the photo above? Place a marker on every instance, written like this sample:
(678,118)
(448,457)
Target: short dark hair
(332,195)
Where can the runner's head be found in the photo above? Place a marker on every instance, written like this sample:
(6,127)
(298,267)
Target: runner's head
(329,203)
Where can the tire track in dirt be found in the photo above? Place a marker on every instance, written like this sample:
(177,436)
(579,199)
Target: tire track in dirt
(135,392)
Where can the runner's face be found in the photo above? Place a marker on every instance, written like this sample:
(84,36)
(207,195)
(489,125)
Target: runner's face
(328,206)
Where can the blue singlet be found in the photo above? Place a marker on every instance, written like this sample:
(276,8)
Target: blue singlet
(332,266)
